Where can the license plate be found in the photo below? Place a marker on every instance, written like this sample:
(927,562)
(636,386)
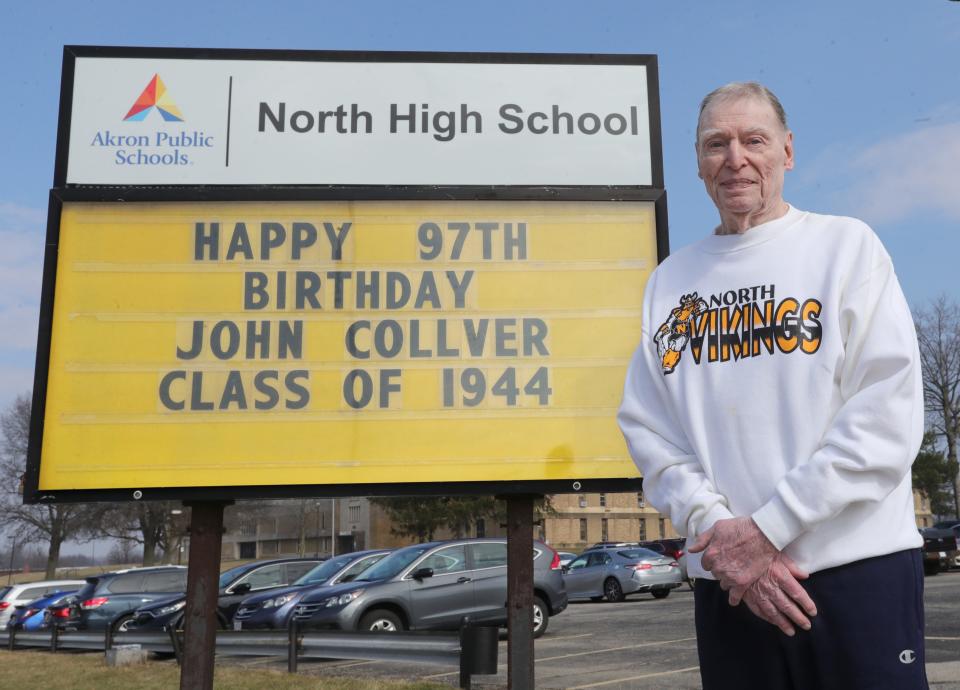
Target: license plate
(238,625)
(662,568)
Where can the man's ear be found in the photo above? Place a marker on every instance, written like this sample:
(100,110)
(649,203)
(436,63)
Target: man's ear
(788,150)
(696,150)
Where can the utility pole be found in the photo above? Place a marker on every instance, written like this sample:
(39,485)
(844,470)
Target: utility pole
(13,549)
(333,528)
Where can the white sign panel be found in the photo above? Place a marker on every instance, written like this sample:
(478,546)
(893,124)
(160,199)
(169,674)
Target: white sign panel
(144,121)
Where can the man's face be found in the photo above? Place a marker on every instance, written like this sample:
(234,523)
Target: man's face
(742,154)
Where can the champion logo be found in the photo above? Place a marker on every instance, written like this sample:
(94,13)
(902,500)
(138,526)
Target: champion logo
(907,656)
(155,95)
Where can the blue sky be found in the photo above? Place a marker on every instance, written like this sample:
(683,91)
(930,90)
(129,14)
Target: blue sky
(871,90)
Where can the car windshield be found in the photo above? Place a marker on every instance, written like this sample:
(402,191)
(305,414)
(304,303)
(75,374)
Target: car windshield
(3,591)
(228,576)
(636,554)
(392,565)
(325,570)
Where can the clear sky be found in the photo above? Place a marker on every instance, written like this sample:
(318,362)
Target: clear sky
(870,88)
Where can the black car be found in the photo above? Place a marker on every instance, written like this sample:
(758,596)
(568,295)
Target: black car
(111,598)
(939,549)
(235,584)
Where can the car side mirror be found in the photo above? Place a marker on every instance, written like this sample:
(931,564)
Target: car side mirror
(421,573)
(565,568)
(242,588)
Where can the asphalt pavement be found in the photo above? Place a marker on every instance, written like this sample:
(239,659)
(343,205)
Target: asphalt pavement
(643,643)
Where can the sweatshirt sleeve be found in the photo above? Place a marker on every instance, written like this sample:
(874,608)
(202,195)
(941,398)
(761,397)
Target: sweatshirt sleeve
(673,479)
(875,434)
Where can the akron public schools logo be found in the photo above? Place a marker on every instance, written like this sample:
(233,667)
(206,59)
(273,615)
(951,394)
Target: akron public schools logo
(154,96)
(152,142)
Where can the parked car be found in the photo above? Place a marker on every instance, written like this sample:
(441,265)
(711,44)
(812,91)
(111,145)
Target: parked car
(608,544)
(954,526)
(23,593)
(674,547)
(434,586)
(274,609)
(939,549)
(566,558)
(36,615)
(235,585)
(613,573)
(111,598)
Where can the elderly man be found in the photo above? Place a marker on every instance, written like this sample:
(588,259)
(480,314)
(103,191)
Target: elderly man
(774,407)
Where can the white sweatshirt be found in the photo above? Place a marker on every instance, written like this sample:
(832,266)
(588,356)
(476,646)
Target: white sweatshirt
(778,376)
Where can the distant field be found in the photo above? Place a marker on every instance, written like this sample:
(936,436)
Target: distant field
(65,671)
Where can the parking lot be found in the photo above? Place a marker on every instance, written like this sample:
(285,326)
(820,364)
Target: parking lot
(646,643)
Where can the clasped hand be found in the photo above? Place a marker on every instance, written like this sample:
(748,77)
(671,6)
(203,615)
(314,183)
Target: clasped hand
(754,571)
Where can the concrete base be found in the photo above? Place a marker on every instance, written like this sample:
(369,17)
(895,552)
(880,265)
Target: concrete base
(126,655)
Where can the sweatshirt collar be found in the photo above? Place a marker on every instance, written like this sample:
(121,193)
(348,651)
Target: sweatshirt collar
(758,234)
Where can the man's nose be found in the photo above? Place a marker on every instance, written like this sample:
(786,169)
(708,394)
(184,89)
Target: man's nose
(735,155)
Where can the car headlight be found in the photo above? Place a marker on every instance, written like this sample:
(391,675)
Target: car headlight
(278,601)
(173,608)
(343,599)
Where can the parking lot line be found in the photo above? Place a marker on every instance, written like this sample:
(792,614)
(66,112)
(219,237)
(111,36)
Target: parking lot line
(646,675)
(615,649)
(943,639)
(565,637)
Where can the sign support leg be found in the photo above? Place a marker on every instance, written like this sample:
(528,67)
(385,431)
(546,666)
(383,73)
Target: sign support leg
(520,592)
(200,613)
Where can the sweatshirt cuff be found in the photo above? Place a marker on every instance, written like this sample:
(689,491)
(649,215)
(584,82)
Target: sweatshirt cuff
(717,512)
(777,522)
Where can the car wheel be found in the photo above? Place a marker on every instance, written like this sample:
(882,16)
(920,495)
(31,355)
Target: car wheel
(660,593)
(124,624)
(541,617)
(612,590)
(381,620)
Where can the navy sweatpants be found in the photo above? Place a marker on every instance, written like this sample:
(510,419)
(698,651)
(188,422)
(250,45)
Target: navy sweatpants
(868,633)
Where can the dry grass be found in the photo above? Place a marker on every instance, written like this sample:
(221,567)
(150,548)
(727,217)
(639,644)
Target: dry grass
(66,671)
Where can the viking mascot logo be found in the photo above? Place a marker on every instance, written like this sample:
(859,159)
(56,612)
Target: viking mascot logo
(672,337)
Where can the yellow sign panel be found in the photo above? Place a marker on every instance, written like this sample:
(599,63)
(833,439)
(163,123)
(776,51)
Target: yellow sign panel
(258,344)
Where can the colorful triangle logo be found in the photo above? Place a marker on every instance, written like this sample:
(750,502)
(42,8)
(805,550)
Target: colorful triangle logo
(154,96)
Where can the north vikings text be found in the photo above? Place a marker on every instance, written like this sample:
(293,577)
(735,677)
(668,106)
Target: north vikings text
(755,328)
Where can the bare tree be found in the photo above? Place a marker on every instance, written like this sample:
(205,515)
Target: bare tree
(54,524)
(156,526)
(938,334)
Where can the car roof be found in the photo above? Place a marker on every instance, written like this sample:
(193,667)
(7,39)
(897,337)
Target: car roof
(17,586)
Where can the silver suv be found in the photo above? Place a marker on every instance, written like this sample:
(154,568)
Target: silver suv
(434,586)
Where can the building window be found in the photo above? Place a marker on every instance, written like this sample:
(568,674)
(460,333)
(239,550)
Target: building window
(663,528)
(481,528)
(354,513)
(643,530)
(604,535)
(583,529)
(640,502)
(603,502)
(583,501)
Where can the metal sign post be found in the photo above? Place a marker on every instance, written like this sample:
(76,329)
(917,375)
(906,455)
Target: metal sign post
(520,592)
(200,614)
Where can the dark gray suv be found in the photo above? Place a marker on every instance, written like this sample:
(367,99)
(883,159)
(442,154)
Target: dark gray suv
(433,586)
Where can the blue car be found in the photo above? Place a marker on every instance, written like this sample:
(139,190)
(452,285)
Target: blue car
(272,610)
(35,615)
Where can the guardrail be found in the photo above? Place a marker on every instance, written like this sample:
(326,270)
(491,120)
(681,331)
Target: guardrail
(473,648)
